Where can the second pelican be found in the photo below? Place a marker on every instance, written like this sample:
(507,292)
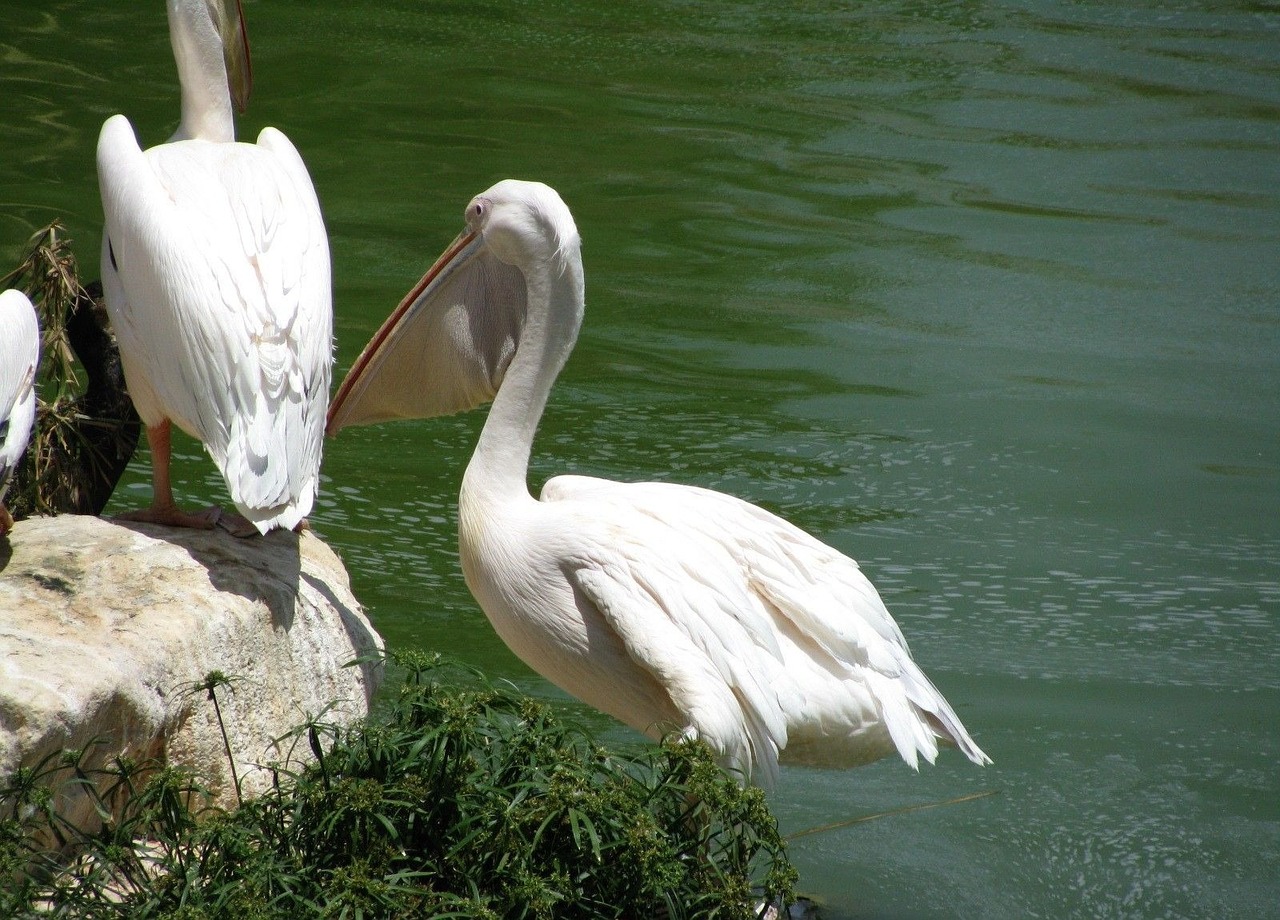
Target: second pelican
(669,607)
(215,267)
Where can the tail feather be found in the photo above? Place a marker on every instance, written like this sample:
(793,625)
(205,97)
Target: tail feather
(917,716)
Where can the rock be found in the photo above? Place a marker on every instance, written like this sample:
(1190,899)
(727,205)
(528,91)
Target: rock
(105,628)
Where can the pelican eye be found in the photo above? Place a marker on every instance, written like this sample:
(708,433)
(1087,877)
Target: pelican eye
(477,211)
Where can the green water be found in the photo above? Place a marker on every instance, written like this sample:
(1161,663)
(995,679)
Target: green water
(985,294)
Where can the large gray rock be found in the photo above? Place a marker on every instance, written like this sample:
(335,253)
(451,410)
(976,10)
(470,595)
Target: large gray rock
(105,627)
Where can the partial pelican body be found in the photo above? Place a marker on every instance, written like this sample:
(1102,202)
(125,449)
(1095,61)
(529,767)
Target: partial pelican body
(19,357)
(215,270)
(666,606)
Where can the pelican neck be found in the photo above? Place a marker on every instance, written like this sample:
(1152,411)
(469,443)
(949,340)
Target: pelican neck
(499,467)
(207,112)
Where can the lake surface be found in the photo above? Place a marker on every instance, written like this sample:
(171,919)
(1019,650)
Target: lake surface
(985,294)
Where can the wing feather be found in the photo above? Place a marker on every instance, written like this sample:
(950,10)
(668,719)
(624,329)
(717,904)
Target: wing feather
(849,671)
(689,634)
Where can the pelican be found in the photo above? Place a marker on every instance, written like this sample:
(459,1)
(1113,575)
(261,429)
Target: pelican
(215,270)
(669,607)
(19,355)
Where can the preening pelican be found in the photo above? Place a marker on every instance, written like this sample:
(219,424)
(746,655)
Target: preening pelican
(215,267)
(19,356)
(667,606)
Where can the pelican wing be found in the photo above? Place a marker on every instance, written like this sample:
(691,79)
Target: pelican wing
(683,615)
(834,602)
(19,354)
(216,274)
(445,348)
(832,623)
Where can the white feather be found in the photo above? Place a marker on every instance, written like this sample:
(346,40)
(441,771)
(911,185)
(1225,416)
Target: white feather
(19,357)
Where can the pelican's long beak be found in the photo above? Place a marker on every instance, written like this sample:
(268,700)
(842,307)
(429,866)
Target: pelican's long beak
(345,406)
(235,49)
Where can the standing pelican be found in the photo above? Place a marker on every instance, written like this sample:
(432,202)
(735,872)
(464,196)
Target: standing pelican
(666,606)
(19,355)
(215,268)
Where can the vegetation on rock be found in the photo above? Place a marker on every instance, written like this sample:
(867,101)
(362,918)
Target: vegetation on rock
(456,800)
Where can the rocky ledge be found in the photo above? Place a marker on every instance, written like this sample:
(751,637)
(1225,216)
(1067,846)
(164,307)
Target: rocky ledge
(106,627)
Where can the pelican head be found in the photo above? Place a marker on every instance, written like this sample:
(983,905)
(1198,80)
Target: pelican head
(524,223)
(447,346)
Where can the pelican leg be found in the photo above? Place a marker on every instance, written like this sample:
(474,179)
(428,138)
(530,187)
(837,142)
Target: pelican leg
(163,510)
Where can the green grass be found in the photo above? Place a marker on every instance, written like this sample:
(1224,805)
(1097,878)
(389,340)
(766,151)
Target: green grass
(456,800)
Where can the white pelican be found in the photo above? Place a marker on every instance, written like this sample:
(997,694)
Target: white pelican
(666,606)
(215,268)
(19,356)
